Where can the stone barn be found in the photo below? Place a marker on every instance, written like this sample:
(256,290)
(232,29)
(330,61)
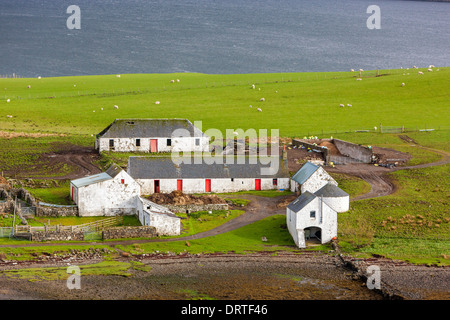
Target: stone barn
(164,175)
(310,177)
(152,135)
(106,194)
(154,215)
(334,197)
(310,217)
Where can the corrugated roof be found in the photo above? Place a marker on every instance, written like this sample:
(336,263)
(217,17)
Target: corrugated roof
(147,128)
(331,191)
(112,171)
(305,172)
(91,179)
(166,168)
(301,201)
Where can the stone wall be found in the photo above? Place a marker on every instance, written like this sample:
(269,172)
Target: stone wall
(129,232)
(43,210)
(188,208)
(355,151)
(57,236)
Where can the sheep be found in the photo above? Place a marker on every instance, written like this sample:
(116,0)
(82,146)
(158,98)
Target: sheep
(116,107)
(8,116)
(8,100)
(118,76)
(375,128)
(178,80)
(250,106)
(101,109)
(172,81)
(259,110)
(253,86)
(157,102)
(430,70)
(403,84)
(349,105)
(262,99)
(361,70)
(358,79)
(28,86)
(414,67)
(431,66)
(341,105)
(352,70)
(420,72)
(39,77)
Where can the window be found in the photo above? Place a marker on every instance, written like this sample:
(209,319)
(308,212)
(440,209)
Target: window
(232,179)
(275,181)
(169,142)
(122,181)
(312,214)
(111,143)
(138,142)
(197,142)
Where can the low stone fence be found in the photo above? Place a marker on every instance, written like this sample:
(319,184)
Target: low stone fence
(189,208)
(129,232)
(51,210)
(57,236)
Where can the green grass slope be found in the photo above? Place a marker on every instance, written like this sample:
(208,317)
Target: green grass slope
(295,103)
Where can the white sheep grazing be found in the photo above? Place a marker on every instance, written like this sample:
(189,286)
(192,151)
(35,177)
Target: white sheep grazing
(116,107)
(352,70)
(341,105)
(375,128)
(178,80)
(259,110)
(262,99)
(414,67)
(430,70)
(431,66)
(172,81)
(250,106)
(8,116)
(28,86)
(361,70)
(39,77)
(420,72)
(8,100)
(101,109)
(358,79)
(118,76)
(349,105)
(403,84)
(253,86)
(157,102)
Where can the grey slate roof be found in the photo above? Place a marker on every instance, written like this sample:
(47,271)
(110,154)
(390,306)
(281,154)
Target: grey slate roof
(304,172)
(165,168)
(301,201)
(331,191)
(149,128)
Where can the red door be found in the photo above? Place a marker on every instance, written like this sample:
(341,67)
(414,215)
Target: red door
(208,185)
(180,185)
(257,184)
(153,145)
(156,186)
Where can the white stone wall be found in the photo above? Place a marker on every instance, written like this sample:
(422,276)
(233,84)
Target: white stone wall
(317,180)
(217,185)
(109,198)
(178,144)
(326,220)
(338,204)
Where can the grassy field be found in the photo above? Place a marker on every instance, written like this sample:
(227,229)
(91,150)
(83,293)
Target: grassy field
(295,103)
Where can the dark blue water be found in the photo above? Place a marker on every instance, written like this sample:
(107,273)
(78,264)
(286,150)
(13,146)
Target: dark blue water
(226,36)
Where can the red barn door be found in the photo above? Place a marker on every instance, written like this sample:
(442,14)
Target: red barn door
(257,184)
(180,185)
(208,185)
(153,145)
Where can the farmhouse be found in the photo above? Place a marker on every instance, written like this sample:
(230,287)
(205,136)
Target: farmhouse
(106,194)
(310,178)
(309,216)
(151,135)
(164,175)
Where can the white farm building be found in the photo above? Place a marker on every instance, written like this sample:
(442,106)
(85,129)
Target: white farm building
(164,175)
(151,135)
(105,194)
(310,177)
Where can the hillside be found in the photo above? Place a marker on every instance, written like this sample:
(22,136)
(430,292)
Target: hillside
(295,103)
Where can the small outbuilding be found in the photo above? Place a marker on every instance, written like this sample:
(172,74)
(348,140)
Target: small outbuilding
(310,177)
(108,193)
(310,217)
(335,197)
(154,215)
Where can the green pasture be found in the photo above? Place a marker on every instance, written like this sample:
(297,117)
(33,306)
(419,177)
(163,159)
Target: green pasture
(295,103)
